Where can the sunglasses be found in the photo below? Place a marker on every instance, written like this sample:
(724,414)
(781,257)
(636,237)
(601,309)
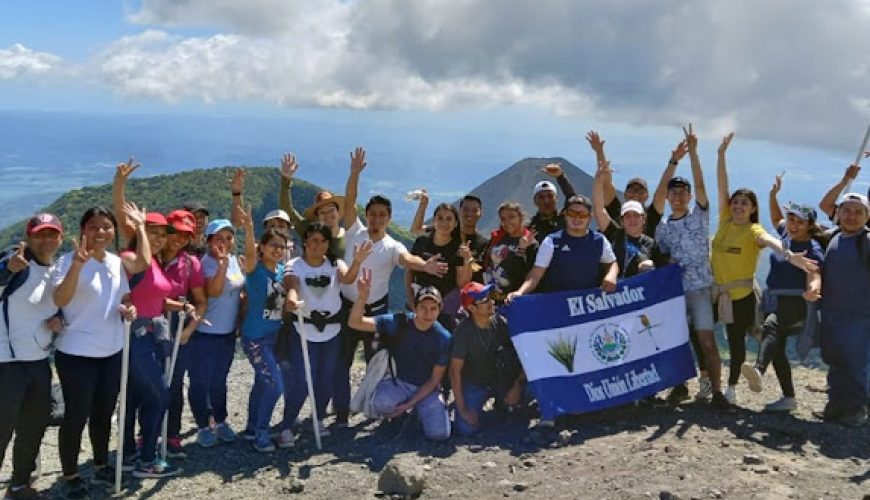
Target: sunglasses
(577,214)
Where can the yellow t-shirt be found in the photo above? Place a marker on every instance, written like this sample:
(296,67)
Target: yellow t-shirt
(734,252)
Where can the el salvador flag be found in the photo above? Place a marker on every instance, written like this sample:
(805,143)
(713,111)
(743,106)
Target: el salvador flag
(586,350)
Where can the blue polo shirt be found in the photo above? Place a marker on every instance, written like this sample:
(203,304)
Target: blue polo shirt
(416,352)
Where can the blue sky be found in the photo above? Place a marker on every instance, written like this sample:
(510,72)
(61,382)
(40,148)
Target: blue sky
(791,77)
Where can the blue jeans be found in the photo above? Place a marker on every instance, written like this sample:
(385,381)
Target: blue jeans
(147,393)
(210,359)
(431,410)
(475,397)
(324,357)
(268,385)
(845,342)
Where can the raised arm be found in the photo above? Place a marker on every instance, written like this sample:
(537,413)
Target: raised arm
(828,204)
(722,172)
(776,217)
(357,164)
(697,173)
(237,184)
(122,172)
(247,222)
(142,259)
(357,319)
(661,194)
(597,145)
(554,170)
(602,177)
(417,227)
(285,195)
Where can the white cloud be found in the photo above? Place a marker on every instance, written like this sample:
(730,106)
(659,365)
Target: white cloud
(19,61)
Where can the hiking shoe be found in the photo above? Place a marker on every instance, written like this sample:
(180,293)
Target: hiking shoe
(753,376)
(287,439)
(720,402)
(74,488)
(855,418)
(678,394)
(731,394)
(174,448)
(781,404)
(705,389)
(24,493)
(224,432)
(206,437)
(248,435)
(263,444)
(156,469)
(128,463)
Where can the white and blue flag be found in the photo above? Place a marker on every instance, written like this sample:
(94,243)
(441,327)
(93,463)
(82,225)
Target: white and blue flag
(587,350)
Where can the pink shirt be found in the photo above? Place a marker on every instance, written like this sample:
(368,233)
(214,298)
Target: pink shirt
(150,292)
(183,272)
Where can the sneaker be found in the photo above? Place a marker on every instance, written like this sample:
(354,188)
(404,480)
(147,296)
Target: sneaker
(705,389)
(324,431)
(174,448)
(678,394)
(224,432)
(753,376)
(264,445)
(830,413)
(104,476)
(128,463)
(206,437)
(156,469)
(248,435)
(731,394)
(287,439)
(781,404)
(720,402)
(74,488)
(546,424)
(24,493)
(855,418)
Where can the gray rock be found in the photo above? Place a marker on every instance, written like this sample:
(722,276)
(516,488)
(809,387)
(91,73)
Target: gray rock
(489,465)
(752,459)
(667,495)
(520,486)
(565,437)
(761,469)
(294,485)
(402,477)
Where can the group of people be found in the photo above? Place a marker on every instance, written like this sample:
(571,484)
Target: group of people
(177,277)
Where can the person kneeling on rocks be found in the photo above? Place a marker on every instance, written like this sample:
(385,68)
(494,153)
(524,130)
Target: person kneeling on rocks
(483,362)
(420,347)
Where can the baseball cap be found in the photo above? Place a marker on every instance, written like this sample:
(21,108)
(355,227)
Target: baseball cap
(632,206)
(578,199)
(545,186)
(473,291)
(428,292)
(217,225)
(856,198)
(194,206)
(636,180)
(278,214)
(43,221)
(804,212)
(182,221)
(680,182)
(155,219)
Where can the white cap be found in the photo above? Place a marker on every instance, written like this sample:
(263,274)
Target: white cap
(632,206)
(856,197)
(278,214)
(544,186)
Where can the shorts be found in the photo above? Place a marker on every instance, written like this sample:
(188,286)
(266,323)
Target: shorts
(699,309)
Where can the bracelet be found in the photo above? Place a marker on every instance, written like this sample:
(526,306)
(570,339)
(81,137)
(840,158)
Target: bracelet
(788,255)
(673,162)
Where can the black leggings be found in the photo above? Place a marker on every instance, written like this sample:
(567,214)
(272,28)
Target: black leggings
(90,391)
(778,326)
(26,389)
(744,319)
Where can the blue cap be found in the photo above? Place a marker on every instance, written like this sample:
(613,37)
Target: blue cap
(217,225)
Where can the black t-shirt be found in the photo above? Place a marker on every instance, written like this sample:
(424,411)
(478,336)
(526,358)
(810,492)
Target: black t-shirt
(544,225)
(425,247)
(630,251)
(653,216)
(488,352)
(478,246)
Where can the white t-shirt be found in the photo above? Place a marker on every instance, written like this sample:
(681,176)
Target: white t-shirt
(29,306)
(94,327)
(383,259)
(319,288)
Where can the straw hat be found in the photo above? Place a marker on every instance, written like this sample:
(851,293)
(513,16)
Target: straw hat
(324,198)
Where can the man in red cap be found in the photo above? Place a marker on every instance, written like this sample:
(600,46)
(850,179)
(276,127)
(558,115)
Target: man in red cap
(483,361)
(25,341)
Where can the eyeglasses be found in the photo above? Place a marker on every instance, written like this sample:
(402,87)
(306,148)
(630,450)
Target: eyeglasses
(577,214)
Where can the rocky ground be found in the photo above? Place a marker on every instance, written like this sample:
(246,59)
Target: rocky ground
(630,452)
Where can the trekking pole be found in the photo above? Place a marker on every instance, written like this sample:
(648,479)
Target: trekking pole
(122,407)
(168,372)
(300,325)
(860,156)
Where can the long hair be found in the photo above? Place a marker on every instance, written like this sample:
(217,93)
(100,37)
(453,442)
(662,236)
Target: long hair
(512,205)
(456,234)
(750,194)
(269,235)
(99,211)
(323,230)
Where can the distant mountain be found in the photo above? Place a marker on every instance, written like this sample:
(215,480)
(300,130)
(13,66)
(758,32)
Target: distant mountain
(517,183)
(208,186)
